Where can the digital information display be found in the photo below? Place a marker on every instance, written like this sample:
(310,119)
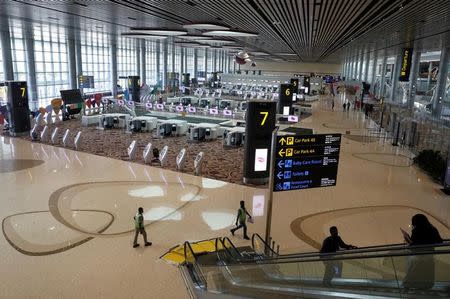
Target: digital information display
(306,161)
(86,81)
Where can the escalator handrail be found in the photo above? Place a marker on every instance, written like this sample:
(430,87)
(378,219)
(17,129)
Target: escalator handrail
(232,246)
(227,250)
(187,246)
(333,257)
(198,270)
(256,235)
(368,249)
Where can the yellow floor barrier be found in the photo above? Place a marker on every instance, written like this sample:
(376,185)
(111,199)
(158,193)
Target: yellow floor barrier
(175,255)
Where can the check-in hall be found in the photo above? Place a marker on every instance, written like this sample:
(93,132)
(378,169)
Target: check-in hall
(225,149)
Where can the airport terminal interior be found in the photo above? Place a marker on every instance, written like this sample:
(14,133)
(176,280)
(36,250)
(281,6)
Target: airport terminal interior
(255,148)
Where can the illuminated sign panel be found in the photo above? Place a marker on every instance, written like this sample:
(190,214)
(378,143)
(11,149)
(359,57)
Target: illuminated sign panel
(406,64)
(306,161)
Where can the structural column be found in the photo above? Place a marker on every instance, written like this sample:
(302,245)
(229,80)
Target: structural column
(165,60)
(374,71)
(78,59)
(31,66)
(214,68)
(181,62)
(5,38)
(383,75)
(366,68)
(143,73)
(441,81)
(206,64)
(195,63)
(414,72)
(396,74)
(361,62)
(71,55)
(113,68)
(138,57)
(158,62)
(173,58)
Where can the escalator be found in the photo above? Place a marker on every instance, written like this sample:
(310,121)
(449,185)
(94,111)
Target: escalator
(391,271)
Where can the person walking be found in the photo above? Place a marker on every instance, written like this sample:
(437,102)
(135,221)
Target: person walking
(332,104)
(330,245)
(139,228)
(344,107)
(242,219)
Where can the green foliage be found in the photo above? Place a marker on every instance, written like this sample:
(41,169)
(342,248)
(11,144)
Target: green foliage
(433,163)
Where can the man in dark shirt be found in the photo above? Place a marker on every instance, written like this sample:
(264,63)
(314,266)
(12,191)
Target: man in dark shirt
(332,244)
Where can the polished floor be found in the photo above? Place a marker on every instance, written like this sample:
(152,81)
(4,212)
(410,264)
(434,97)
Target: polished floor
(67,224)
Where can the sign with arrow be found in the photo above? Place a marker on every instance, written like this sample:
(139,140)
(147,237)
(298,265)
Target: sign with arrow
(306,161)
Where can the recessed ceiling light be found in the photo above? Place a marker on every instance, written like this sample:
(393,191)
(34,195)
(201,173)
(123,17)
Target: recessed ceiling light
(141,35)
(157,31)
(205,26)
(229,33)
(191,44)
(286,54)
(217,41)
(194,37)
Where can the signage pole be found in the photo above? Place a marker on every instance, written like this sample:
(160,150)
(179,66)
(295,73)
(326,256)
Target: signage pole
(271,179)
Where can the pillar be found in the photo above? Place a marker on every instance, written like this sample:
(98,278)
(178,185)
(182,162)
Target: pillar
(158,62)
(396,74)
(72,59)
(214,68)
(414,72)
(143,73)
(113,65)
(78,59)
(441,82)
(206,63)
(383,75)
(374,71)
(165,60)
(5,38)
(173,58)
(137,52)
(366,68)
(195,63)
(31,65)
(181,62)
(361,62)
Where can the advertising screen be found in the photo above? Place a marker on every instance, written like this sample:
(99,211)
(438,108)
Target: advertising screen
(261,159)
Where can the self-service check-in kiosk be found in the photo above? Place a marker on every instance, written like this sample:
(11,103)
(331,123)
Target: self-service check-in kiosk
(114,120)
(203,132)
(167,128)
(142,124)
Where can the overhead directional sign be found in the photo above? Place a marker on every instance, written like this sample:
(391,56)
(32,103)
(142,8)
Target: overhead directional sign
(306,161)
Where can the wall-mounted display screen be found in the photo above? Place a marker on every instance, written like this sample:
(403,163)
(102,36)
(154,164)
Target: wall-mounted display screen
(261,159)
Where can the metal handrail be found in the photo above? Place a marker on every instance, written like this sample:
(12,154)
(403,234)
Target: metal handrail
(368,249)
(325,257)
(221,240)
(200,276)
(267,246)
(232,246)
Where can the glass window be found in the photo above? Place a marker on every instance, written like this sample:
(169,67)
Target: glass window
(190,62)
(150,58)
(126,57)
(2,76)
(18,50)
(51,61)
(178,61)
(95,57)
(210,61)
(200,60)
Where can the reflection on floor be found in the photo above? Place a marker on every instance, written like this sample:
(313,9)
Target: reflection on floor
(70,214)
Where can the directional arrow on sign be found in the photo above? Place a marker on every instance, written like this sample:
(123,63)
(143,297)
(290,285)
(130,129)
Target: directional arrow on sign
(282,141)
(280,175)
(281,164)
(281,152)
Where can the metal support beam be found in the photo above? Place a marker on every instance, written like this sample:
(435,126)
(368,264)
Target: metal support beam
(158,63)
(195,64)
(72,59)
(383,75)
(414,72)
(143,73)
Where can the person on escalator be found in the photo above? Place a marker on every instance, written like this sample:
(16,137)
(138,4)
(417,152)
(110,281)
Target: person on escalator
(331,244)
(420,267)
(242,219)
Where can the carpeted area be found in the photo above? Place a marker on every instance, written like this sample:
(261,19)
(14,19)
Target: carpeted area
(219,163)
